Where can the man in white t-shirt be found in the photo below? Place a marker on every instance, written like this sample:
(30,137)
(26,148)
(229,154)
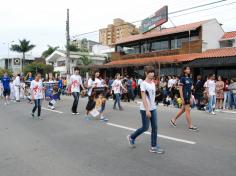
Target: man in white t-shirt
(36,88)
(211,93)
(75,83)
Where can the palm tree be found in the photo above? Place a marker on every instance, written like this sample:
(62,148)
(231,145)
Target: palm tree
(23,47)
(49,51)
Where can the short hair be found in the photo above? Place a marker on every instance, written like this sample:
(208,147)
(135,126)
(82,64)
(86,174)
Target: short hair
(76,69)
(149,69)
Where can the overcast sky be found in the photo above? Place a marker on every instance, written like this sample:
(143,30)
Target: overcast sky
(43,21)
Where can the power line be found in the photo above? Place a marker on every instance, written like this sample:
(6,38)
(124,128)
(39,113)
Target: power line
(204,9)
(187,9)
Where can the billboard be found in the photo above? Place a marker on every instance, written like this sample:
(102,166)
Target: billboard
(157,19)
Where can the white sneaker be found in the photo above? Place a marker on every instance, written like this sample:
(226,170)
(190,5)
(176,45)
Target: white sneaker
(213,113)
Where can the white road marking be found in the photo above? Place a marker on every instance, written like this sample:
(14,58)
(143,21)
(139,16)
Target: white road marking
(159,135)
(52,110)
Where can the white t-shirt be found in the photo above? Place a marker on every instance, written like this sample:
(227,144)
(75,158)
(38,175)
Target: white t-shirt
(75,81)
(171,82)
(151,89)
(140,81)
(211,85)
(96,83)
(116,86)
(17,81)
(36,88)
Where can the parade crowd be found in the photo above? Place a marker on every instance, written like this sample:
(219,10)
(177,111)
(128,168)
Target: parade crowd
(180,92)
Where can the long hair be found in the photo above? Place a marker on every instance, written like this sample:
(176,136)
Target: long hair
(93,74)
(183,71)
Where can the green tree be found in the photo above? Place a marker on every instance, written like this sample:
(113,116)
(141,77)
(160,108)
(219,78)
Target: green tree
(23,47)
(49,51)
(73,47)
(2,71)
(38,67)
(85,60)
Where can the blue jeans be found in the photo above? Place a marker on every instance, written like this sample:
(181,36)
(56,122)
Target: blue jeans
(211,103)
(227,99)
(234,98)
(37,105)
(117,100)
(76,101)
(145,126)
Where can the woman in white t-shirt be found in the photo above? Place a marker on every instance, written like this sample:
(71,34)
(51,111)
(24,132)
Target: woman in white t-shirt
(96,86)
(148,112)
(36,88)
(116,87)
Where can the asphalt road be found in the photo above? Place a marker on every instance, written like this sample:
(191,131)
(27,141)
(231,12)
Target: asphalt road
(66,145)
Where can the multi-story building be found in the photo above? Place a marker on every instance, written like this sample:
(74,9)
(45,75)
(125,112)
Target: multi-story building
(85,44)
(116,31)
(202,45)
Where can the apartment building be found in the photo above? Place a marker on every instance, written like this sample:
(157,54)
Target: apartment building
(116,31)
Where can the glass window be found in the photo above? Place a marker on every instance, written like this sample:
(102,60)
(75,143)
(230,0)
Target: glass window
(160,45)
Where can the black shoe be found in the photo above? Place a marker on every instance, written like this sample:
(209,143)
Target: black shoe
(172,123)
(32,114)
(195,129)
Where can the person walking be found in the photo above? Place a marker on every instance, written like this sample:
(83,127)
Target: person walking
(6,88)
(116,87)
(211,93)
(227,98)
(75,83)
(185,91)
(199,89)
(219,93)
(148,111)
(232,88)
(36,88)
(17,87)
(97,88)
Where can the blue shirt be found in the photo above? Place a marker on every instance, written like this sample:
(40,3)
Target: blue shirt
(187,83)
(30,78)
(60,86)
(6,82)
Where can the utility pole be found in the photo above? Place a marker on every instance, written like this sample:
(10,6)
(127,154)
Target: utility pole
(68,42)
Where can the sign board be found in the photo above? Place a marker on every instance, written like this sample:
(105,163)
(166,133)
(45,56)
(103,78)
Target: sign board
(155,20)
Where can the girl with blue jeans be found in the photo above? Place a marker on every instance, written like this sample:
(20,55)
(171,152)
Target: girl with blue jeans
(148,111)
(116,87)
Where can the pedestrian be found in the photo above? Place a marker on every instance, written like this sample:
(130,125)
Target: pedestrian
(199,89)
(219,93)
(116,87)
(227,98)
(6,88)
(211,93)
(148,111)
(17,87)
(185,91)
(75,83)
(36,88)
(97,88)
(232,88)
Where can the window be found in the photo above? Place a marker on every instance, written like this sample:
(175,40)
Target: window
(226,43)
(160,45)
(61,63)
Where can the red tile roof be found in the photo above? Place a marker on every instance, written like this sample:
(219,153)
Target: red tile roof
(229,35)
(167,31)
(213,53)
